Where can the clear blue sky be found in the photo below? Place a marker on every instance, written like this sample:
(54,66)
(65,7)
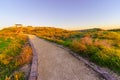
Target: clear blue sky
(60,13)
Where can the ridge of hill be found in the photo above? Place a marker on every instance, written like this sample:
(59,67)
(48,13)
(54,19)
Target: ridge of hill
(99,46)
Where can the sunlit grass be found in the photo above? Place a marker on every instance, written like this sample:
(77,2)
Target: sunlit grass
(102,51)
(99,46)
(4,42)
(13,53)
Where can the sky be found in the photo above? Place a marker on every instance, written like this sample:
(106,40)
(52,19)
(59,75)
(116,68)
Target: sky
(69,14)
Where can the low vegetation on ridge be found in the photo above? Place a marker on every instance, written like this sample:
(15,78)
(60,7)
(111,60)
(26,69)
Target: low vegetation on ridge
(14,53)
(99,46)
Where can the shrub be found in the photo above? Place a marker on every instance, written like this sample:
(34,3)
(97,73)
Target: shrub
(77,46)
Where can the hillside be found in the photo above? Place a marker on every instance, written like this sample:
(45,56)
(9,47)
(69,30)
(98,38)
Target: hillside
(99,46)
(15,52)
(115,30)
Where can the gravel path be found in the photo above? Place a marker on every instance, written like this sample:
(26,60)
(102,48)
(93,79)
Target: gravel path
(55,63)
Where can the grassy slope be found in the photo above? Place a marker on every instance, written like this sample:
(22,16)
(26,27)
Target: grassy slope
(99,46)
(4,43)
(11,45)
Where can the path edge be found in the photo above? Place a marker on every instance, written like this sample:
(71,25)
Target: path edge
(98,69)
(34,66)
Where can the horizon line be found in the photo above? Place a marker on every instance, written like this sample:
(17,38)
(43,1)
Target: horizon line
(72,28)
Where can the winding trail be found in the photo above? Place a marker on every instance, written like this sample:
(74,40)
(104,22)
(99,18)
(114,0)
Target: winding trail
(55,63)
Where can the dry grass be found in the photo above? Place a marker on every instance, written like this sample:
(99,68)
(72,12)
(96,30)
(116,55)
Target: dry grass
(100,51)
(24,57)
(13,54)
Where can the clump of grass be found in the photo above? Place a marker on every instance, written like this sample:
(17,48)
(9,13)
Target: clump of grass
(99,51)
(77,46)
(18,75)
(14,55)
(18,61)
(24,57)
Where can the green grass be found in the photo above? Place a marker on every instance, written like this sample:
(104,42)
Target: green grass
(10,47)
(4,43)
(102,48)
(67,43)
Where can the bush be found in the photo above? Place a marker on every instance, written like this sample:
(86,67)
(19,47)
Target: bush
(77,46)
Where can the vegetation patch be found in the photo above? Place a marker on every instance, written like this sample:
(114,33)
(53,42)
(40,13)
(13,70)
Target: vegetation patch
(14,53)
(100,46)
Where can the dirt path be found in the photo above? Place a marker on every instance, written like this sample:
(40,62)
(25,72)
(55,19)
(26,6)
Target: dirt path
(55,63)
